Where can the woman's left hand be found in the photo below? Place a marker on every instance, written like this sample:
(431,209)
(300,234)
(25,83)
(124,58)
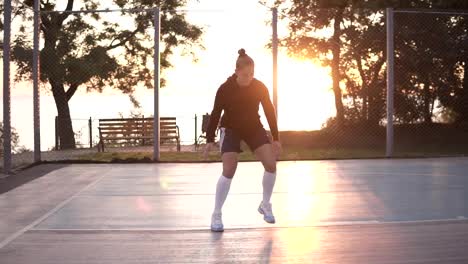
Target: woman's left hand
(277,148)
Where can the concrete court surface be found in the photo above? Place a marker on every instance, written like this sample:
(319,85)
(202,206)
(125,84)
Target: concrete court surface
(349,211)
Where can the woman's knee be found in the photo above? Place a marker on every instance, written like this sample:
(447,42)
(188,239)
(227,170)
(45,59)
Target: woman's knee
(270,166)
(229,173)
(229,164)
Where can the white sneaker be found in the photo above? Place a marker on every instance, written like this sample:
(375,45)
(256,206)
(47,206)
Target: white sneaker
(217,222)
(267,212)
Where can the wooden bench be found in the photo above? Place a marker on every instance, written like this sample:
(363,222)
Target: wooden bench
(122,132)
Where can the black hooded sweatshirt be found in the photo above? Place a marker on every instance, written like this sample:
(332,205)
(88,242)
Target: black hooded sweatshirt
(240,105)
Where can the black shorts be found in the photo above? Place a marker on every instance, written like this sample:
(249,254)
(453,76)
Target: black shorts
(230,140)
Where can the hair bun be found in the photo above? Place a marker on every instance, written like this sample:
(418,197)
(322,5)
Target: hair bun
(241,52)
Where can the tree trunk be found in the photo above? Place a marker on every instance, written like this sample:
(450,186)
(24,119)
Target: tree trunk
(65,128)
(463,98)
(365,103)
(427,104)
(374,107)
(374,93)
(364,88)
(51,27)
(335,67)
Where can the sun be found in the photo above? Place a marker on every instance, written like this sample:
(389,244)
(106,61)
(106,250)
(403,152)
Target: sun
(305,98)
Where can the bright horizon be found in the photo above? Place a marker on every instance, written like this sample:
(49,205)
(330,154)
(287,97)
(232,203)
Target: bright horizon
(305,99)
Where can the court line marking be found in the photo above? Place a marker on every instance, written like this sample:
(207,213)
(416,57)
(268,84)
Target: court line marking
(15,235)
(459,219)
(101,193)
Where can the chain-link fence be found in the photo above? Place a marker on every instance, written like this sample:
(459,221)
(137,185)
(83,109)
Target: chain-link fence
(351,44)
(97,79)
(96,68)
(98,64)
(431,82)
(20,108)
(86,134)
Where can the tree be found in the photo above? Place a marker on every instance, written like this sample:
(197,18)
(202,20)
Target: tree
(354,50)
(456,95)
(15,142)
(421,62)
(349,37)
(305,19)
(84,51)
(431,65)
(362,65)
(430,61)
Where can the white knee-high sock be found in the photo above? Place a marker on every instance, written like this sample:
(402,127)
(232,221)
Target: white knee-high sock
(268,183)
(222,190)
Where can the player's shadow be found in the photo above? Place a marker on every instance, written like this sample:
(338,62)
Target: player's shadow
(267,251)
(222,244)
(219,247)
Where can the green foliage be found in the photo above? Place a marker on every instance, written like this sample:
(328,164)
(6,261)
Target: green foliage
(15,141)
(95,50)
(431,51)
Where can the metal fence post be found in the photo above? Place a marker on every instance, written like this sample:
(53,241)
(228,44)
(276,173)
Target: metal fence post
(275,59)
(36,94)
(156,136)
(6,87)
(90,124)
(57,140)
(390,82)
(196,128)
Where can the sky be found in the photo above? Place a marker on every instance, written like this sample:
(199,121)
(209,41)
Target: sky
(305,99)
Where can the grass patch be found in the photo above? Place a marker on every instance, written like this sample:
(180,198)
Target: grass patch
(351,142)
(288,154)
(436,140)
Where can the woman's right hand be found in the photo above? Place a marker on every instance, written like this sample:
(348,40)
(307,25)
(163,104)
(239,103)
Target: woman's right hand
(207,150)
